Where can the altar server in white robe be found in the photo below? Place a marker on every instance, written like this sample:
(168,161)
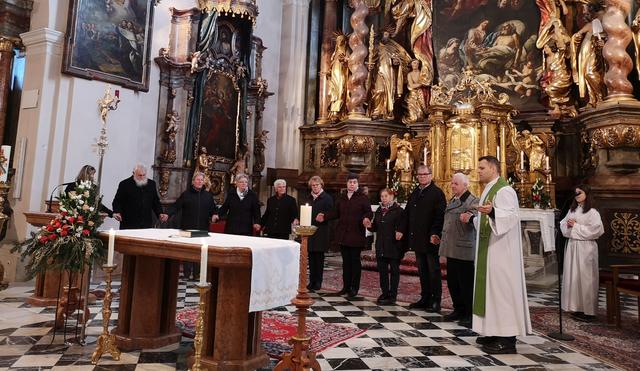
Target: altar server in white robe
(500,307)
(582,226)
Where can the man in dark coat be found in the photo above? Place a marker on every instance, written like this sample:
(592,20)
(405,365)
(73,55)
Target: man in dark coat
(321,203)
(196,207)
(242,209)
(353,211)
(281,212)
(425,216)
(135,200)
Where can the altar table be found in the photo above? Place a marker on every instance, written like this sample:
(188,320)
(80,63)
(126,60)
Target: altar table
(248,275)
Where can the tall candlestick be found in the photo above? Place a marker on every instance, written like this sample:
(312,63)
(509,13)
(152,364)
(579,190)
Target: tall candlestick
(521,160)
(388,164)
(111,247)
(204,251)
(305,215)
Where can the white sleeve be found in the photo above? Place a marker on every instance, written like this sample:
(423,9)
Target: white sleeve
(505,206)
(566,231)
(588,229)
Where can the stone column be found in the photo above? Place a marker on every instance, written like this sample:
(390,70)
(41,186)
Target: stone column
(291,91)
(6,61)
(328,28)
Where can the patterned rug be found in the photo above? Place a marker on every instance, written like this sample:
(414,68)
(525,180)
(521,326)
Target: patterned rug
(277,329)
(599,339)
(408,290)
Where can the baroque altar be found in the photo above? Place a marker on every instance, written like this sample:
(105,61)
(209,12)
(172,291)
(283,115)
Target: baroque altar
(212,96)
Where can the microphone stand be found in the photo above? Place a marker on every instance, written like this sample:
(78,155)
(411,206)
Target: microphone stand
(51,196)
(560,335)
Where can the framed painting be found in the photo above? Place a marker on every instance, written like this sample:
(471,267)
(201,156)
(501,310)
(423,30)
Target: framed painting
(494,39)
(218,131)
(109,41)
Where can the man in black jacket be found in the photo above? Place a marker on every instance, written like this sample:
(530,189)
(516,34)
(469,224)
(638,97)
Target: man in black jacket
(135,200)
(196,207)
(281,212)
(425,217)
(242,209)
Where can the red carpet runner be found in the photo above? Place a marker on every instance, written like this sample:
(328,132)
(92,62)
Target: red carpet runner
(277,329)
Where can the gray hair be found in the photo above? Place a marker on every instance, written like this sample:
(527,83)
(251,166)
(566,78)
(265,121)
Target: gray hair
(280,182)
(197,174)
(423,167)
(242,176)
(316,179)
(141,167)
(462,178)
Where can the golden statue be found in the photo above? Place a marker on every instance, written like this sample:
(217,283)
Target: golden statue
(533,146)
(241,164)
(403,151)
(388,82)
(338,78)
(557,80)
(420,37)
(203,163)
(587,63)
(635,27)
(415,102)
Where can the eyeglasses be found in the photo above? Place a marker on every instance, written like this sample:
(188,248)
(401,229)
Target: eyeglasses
(424,173)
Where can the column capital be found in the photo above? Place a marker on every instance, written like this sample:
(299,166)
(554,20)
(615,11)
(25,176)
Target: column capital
(40,36)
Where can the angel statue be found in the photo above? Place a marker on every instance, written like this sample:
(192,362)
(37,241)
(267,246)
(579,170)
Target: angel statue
(388,83)
(241,164)
(338,78)
(533,146)
(402,151)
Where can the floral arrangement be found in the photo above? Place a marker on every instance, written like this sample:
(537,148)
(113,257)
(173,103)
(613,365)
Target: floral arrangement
(403,192)
(70,240)
(540,198)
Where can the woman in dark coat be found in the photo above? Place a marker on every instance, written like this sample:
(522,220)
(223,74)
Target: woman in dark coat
(321,203)
(86,173)
(242,209)
(281,212)
(353,211)
(389,225)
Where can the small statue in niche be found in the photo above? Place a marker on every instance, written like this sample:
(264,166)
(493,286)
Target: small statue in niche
(203,165)
(338,78)
(258,151)
(587,63)
(402,151)
(415,102)
(534,147)
(173,121)
(241,164)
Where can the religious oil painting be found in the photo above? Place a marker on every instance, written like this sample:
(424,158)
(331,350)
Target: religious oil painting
(219,121)
(109,40)
(496,40)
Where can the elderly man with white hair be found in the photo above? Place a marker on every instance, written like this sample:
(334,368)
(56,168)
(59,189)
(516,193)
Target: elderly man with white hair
(458,246)
(281,212)
(136,200)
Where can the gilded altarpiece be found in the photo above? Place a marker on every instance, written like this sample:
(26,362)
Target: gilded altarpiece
(211,99)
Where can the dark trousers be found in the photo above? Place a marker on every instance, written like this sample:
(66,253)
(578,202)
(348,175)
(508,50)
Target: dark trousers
(460,283)
(351,268)
(430,277)
(316,269)
(279,236)
(389,287)
(189,268)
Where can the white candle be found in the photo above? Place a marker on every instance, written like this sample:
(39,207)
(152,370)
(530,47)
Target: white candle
(388,164)
(521,160)
(110,248)
(424,156)
(305,215)
(498,152)
(204,251)
(547,162)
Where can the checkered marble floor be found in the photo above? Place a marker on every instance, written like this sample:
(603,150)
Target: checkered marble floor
(396,339)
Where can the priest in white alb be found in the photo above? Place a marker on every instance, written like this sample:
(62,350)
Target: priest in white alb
(500,307)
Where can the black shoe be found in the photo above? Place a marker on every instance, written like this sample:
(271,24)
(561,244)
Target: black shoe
(583,317)
(434,308)
(382,299)
(317,287)
(465,322)
(342,292)
(500,347)
(352,295)
(420,304)
(483,340)
(453,316)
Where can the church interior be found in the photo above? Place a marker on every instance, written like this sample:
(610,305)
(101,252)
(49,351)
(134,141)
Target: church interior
(292,89)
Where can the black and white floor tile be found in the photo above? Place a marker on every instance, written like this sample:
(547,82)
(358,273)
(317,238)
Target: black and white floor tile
(396,339)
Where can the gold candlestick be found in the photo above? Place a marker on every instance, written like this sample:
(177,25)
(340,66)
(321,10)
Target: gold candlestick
(106,341)
(301,359)
(203,289)
(522,191)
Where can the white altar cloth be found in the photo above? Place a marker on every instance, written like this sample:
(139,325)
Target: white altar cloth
(546,218)
(275,263)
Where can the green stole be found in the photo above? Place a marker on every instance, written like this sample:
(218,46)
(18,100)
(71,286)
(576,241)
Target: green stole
(479,296)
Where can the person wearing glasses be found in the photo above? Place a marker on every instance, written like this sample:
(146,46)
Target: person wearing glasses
(582,226)
(321,203)
(425,217)
(500,307)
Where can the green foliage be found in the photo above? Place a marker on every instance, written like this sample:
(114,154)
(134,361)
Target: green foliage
(539,197)
(403,191)
(70,240)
